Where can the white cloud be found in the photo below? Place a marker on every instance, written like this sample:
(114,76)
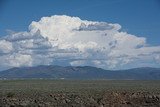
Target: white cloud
(15,60)
(69,40)
(5,47)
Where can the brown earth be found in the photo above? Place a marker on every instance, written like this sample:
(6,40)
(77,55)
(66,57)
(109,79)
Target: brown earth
(71,99)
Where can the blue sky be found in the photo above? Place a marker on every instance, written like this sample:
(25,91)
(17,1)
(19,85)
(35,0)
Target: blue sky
(139,17)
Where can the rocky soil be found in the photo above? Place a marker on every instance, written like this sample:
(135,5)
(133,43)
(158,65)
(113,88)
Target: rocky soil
(71,99)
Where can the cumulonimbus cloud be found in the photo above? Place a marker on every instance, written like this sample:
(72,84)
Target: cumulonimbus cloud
(66,40)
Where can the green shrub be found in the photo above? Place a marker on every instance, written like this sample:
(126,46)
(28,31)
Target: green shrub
(10,94)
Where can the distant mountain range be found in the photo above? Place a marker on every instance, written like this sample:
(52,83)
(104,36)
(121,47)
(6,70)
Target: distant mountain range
(85,72)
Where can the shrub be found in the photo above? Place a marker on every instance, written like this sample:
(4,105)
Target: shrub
(10,94)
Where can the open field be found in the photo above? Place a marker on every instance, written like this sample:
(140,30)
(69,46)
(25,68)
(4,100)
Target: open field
(79,93)
(78,85)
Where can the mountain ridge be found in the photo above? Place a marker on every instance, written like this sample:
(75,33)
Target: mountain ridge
(81,72)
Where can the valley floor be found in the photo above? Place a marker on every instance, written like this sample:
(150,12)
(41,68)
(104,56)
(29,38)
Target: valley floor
(79,93)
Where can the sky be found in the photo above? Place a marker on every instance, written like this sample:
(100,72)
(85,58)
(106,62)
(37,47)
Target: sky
(31,28)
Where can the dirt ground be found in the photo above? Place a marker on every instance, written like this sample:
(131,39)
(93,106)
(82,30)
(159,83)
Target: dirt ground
(79,93)
(105,99)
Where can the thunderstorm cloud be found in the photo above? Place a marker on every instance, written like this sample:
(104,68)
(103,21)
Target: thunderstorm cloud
(64,40)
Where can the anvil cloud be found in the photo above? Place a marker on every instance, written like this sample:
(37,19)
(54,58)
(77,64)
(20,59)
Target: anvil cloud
(64,40)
